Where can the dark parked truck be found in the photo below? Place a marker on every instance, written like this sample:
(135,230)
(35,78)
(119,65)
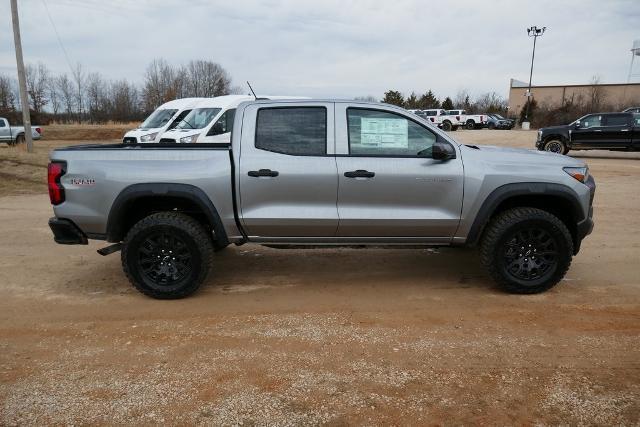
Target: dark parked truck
(600,131)
(303,173)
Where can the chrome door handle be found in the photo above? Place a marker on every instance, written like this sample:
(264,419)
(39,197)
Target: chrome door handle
(624,130)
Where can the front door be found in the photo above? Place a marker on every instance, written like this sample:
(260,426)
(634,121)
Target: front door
(587,133)
(389,186)
(5,130)
(287,174)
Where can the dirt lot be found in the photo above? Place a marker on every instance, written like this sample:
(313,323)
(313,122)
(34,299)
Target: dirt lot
(333,336)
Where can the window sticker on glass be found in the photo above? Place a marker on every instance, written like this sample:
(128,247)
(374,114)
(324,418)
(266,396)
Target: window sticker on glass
(384,132)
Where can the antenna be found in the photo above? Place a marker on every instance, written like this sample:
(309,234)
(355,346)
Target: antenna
(254,94)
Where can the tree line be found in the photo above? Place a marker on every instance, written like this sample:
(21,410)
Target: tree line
(489,102)
(89,97)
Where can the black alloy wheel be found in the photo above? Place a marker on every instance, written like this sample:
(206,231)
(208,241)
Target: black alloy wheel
(530,253)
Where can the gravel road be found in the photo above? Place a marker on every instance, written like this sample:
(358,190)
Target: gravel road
(330,336)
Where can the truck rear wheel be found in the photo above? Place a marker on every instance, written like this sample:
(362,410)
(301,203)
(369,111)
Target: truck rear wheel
(470,125)
(167,255)
(446,126)
(19,139)
(526,250)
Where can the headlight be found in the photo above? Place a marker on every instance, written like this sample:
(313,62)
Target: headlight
(580,173)
(539,135)
(148,138)
(189,139)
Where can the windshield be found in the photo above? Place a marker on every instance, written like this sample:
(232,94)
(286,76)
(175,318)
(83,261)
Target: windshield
(198,118)
(499,117)
(157,119)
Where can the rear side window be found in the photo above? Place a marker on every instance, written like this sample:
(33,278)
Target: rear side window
(299,131)
(616,120)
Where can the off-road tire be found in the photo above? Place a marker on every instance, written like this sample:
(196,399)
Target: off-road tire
(551,145)
(446,126)
(189,237)
(497,237)
(470,125)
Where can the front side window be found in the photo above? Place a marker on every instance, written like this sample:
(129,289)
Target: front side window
(636,119)
(158,119)
(198,118)
(2,124)
(299,131)
(616,120)
(224,124)
(381,133)
(591,121)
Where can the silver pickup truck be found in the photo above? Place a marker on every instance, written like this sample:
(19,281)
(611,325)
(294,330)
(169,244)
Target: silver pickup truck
(13,135)
(303,173)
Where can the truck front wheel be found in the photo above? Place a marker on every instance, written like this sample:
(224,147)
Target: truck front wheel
(446,126)
(526,250)
(167,255)
(470,125)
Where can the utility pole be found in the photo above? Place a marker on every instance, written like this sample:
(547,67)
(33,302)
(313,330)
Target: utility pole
(534,32)
(26,118)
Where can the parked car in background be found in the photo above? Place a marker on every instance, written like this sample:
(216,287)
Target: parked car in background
(210,120)
(321,172)
(12,135)
(469,121)
(599,131)
(439,117)
(632,110)
(164,118)
(496,121)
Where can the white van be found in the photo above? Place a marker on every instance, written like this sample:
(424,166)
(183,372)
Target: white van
(162,119)
(210,120)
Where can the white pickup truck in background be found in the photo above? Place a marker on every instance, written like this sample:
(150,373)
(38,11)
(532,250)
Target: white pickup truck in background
(440,118)
(469,121)
(13,135)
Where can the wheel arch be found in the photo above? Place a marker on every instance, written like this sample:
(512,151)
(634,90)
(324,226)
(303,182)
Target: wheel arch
(557,199)
(140,200)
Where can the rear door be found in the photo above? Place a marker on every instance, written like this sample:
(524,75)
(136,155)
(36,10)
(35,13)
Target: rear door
(389,186)
(616,131)
(287,173)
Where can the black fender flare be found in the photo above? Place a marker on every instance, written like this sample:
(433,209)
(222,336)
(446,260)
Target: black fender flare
(115,221)
(507,191)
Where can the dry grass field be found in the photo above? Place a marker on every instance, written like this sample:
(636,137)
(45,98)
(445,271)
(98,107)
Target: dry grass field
(330,336)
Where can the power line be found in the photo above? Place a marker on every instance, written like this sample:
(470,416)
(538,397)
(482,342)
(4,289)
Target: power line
(55,29)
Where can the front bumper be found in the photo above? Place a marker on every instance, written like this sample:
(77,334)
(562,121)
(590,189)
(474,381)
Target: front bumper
(65,232)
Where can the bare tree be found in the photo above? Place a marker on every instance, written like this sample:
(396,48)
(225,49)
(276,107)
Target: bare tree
(37,78)
(96,89)
(462,100)
(124,101)
(66,91)
(490,102)
(596,94)
(54,95)
(207,79)
(79,80)
(7,95)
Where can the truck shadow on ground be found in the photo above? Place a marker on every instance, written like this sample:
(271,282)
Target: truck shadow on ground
(251,268)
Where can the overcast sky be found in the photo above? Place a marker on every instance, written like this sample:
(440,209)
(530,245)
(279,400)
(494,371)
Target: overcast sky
(336,48)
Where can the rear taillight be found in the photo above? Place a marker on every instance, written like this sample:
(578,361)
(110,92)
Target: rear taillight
(56,190)
(39,130)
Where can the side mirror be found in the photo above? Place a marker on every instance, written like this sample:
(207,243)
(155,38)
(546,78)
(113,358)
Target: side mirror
(442,151)
(576,125)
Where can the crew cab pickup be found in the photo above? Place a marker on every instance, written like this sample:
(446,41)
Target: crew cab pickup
(303,173)
(13,135)
(599,131)
(469,121)
(440,118)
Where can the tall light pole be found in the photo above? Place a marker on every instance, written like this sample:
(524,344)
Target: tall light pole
(534,32)
(26,118)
